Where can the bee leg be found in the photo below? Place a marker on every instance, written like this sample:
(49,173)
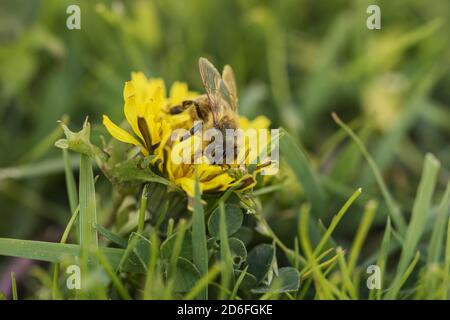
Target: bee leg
(176,109)
(186,104)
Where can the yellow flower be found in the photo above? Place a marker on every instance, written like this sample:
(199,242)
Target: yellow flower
(144,119)
(179,92)
(260,122)
(211,177)
(247,155)
(146,110)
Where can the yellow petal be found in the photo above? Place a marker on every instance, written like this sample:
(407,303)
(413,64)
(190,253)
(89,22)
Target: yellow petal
(140,84)
(156,84)
(118,132)
(208,171)
(188,185)
(158,98)
(179,92)
(131,112)
(155,105)
(128,90)
(260,122)
(219,183)
(250,182)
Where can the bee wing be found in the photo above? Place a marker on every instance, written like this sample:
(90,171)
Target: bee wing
(212,83)
(226,95)
(230,82)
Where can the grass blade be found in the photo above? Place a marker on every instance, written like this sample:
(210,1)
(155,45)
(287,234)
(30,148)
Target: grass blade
(301,166)
(43,168)
(55,289)
(394,209)
(403,277)
(202,284)
(382,258)
(14,286)
(121,290)
(238,283)
(437,236)
(447,265)
(420,213)
(57,252)
(200,251)
(150,279)
(142,209)
(70,182)
(225,254)
(366,222)
(176,251)
(88,216)
(324,288)
(335,221)
(74,210)
(347,283)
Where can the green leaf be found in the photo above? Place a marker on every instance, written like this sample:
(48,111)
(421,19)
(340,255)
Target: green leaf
(168,245)
(246,280)
(199,246)
(212,205)
(233,219)
(260,260)
(287,280)
(245,234)
(238,251)
(133,170)
(302,168)
(140,247)
(186,276)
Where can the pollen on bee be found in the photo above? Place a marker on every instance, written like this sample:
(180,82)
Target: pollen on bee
(235,147)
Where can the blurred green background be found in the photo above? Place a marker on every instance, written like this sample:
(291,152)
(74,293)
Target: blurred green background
(296,61)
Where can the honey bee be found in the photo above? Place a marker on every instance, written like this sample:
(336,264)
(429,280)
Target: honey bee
(218,107)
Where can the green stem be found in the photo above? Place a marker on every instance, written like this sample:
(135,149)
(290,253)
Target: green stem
(142,210)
